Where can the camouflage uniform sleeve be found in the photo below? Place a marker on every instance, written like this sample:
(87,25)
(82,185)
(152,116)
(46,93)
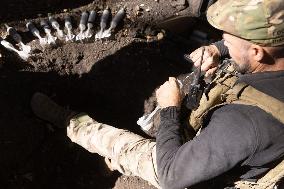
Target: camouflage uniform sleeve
(224,51)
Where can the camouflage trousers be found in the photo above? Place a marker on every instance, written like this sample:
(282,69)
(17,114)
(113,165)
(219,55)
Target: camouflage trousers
(124,151)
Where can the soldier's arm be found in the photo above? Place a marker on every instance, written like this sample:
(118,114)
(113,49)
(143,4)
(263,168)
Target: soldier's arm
(223,50)
(198,7)
(227,140)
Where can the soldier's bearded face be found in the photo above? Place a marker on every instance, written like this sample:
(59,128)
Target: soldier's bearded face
(238,50)
(243,68)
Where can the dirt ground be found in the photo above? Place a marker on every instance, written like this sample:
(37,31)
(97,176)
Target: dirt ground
(108,79)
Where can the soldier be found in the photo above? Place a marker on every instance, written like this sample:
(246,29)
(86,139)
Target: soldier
(241,129)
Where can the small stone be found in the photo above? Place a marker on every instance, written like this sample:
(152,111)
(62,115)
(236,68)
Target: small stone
(138,11)
(160,35)
(137,8)
(147,10)
(142,5)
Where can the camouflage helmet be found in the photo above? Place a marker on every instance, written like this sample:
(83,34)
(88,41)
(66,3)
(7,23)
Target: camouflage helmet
(258,21)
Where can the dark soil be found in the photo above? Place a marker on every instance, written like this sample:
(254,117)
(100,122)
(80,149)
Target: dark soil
(108,79)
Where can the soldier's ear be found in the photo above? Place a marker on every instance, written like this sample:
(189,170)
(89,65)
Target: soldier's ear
(256,52)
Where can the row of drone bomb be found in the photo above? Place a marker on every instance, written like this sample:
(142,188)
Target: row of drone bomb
(85,31)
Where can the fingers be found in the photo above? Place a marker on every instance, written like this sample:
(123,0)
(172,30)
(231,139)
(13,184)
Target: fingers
(207,64)
(210,72)
(164,85)
(172,81)
(168,94)
(210,57)
(195,56)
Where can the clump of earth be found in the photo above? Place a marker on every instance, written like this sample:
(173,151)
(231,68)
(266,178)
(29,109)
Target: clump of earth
(109,79)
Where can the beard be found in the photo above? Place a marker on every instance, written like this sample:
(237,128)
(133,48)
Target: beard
(244,67)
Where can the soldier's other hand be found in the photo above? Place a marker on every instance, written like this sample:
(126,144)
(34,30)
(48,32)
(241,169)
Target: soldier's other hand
(169,94)
(211,58)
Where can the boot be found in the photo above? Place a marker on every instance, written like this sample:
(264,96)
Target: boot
(48,110)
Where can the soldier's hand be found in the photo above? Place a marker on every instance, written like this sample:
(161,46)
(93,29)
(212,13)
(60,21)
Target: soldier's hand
(211,58)
(169,94)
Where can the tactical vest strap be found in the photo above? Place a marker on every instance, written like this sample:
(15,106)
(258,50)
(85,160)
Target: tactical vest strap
(220,85)
(234,93)
(242,93)
(268,181)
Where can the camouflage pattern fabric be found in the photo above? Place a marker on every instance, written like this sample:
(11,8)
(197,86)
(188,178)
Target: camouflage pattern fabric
(258,21)
(124,151)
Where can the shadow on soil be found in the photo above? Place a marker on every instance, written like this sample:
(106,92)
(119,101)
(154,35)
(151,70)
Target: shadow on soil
(34,154)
